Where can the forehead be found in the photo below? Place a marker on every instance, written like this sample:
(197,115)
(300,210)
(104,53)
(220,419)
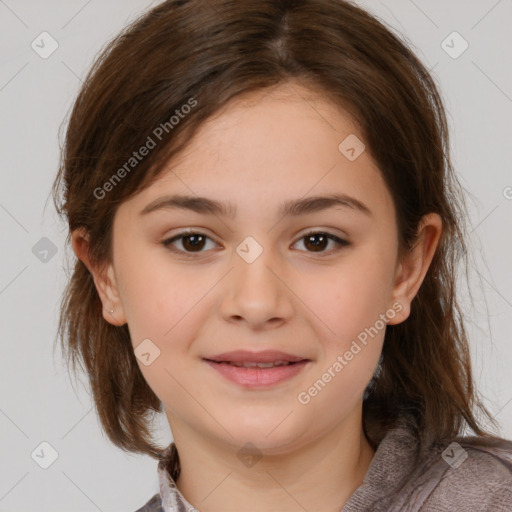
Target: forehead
(272,145)
(274,121)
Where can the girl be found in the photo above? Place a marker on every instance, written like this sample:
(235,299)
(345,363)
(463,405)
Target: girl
(267,229)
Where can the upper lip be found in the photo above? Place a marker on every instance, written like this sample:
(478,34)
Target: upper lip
(246,356)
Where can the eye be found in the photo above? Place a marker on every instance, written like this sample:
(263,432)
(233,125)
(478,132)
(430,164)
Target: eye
(318,240)
(194,242)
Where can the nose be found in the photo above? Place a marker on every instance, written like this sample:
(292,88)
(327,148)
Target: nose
(257,292)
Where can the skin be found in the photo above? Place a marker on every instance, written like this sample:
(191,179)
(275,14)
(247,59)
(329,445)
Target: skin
(259,151)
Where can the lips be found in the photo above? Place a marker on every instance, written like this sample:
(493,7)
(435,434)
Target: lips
(246,357)
(257,369)
(254,364)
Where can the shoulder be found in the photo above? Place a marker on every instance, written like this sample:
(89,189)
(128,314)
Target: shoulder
(153,505)
(472,475)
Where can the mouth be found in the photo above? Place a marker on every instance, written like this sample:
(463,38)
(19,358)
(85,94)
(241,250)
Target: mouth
(275,357)
(257,370)
(254,364)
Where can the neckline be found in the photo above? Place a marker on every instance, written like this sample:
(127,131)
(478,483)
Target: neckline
(393,462)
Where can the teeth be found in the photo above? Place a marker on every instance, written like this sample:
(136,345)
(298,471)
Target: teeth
(253,364)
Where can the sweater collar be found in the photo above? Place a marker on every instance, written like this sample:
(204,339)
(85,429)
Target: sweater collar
(393,463)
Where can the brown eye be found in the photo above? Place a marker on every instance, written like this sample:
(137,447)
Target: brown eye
(317,241)
(194,242)
(191,243)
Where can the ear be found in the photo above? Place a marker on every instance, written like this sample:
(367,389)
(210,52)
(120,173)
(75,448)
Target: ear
(104,279)
(412,268)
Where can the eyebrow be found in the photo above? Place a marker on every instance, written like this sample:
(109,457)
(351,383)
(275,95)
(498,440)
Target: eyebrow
(204,205)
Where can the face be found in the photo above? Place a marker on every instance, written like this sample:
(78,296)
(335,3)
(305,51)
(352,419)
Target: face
(317,282)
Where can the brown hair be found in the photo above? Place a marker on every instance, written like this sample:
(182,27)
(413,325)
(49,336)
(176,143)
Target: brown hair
(202,54)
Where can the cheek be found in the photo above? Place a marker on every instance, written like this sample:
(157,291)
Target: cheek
(351,298)
(351,306)
(163,304)
(354,312)
(155,294)
(162,308)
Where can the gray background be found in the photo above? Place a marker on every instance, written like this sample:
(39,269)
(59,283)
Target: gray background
(37,402)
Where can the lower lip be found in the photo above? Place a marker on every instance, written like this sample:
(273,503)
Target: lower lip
(258,377)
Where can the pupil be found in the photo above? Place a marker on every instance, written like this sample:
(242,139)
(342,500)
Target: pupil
(317,245)
(196,244)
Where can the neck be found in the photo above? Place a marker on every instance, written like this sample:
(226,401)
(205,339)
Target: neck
(320,475)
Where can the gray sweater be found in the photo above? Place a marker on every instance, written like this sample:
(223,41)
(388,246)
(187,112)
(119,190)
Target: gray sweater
(467,474)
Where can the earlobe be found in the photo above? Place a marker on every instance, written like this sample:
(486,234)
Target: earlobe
(104,279)
(412,268)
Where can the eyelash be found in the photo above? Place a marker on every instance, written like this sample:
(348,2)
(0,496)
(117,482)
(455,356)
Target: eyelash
(167,243)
